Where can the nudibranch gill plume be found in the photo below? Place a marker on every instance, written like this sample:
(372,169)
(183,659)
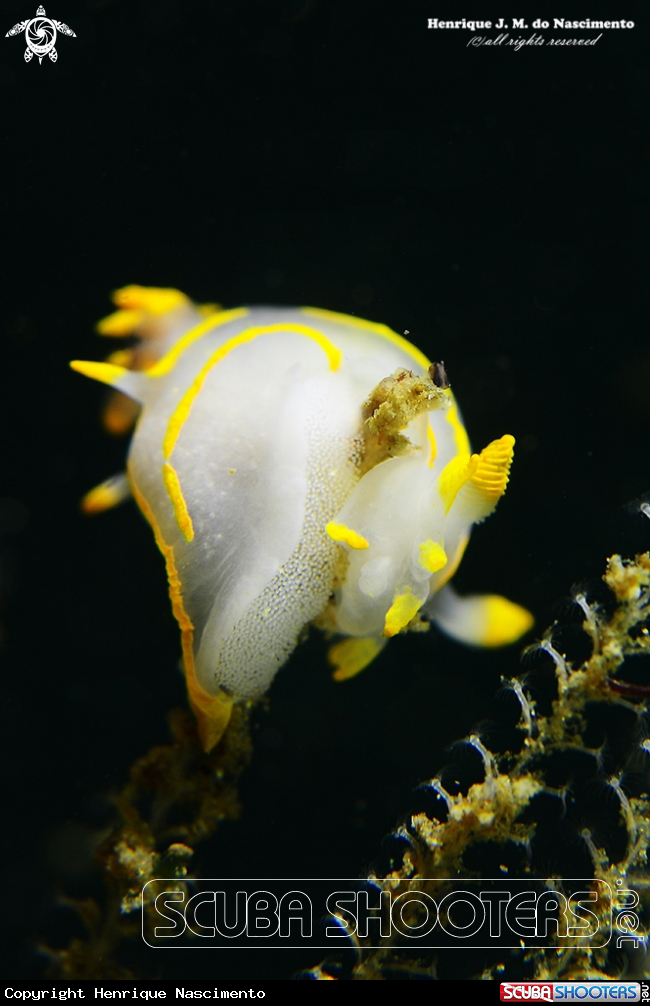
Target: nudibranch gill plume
(297,466)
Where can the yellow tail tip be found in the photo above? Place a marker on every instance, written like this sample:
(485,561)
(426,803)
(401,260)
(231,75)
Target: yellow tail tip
(505,621)
(213,714)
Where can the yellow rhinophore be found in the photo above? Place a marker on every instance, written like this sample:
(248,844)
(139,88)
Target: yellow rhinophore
(493,468)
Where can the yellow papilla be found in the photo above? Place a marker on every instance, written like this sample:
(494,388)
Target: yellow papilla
(121,358)
(104,496)
(152,299)
(342,533)
(120,413)
(107,373)
(120,323)
(351,656)
(505,621)
(404,607)
(432,556)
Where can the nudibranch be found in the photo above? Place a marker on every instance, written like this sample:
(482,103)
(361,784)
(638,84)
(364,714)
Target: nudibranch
(297,466)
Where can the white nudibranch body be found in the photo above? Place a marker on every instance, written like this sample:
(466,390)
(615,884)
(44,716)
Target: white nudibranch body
(295,465)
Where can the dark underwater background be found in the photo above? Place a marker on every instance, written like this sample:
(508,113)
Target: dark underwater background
(336,153)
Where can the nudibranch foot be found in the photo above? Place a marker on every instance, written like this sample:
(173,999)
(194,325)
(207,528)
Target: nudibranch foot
(297,466)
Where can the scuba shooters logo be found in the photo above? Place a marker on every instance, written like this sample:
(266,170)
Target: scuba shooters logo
(325,914)
(571,991)
(40,35)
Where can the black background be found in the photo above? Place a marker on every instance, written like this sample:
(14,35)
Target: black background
(492,202)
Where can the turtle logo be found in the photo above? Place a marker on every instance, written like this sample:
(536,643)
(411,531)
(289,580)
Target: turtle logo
(40,35)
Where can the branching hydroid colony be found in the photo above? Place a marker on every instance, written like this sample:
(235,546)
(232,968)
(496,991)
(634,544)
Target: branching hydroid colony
(569,798)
